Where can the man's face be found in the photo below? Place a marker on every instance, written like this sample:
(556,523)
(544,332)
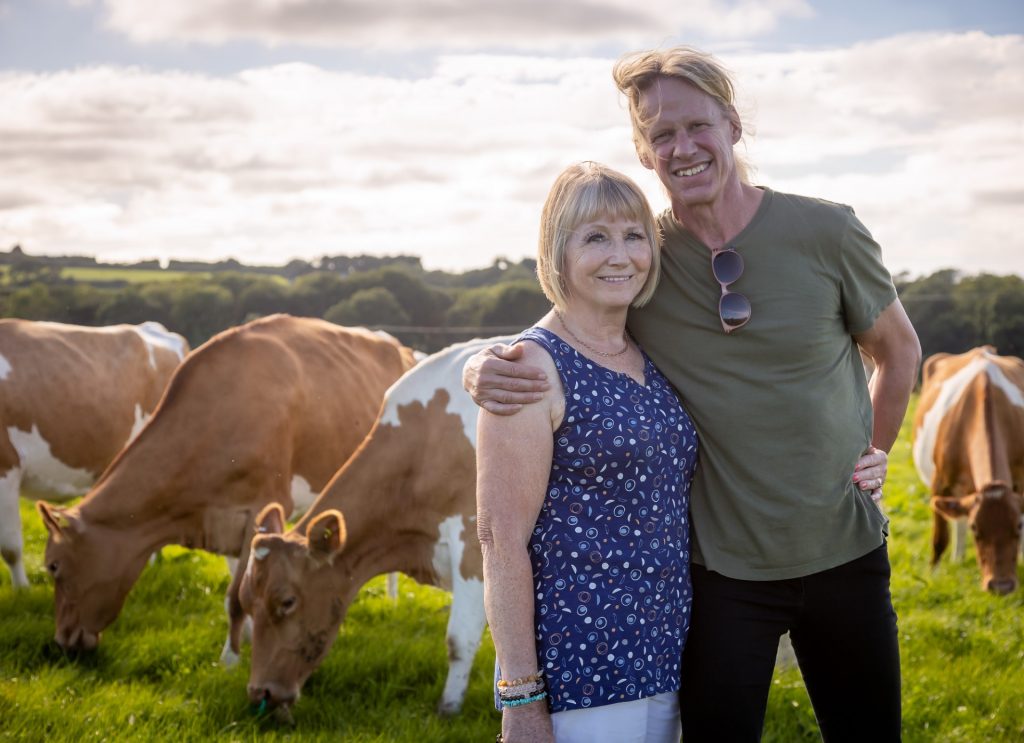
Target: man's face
(689,141)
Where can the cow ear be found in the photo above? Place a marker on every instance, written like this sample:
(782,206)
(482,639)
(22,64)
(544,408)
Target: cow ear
(270,520)
(954,508)
(326,534)
(58,521)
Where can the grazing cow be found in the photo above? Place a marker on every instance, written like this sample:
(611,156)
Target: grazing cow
(408,496)
(71,397)
(969,450)
(261,413)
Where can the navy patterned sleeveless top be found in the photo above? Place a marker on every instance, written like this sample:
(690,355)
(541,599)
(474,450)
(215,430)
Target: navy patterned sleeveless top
(611,547)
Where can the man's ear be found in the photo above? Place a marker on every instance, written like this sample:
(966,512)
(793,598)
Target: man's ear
(643,152)
(646,159)
(736,126)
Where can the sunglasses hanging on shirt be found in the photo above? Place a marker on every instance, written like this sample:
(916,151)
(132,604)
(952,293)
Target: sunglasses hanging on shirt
(733,307)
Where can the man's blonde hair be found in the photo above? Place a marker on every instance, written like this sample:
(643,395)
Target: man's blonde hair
(635,72)
(581,193)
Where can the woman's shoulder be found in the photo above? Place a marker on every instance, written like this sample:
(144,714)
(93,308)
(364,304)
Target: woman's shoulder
(539,339)
(538,350)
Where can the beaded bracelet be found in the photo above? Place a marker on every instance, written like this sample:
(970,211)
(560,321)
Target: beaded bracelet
(524,700)
(522,690)
(520,681)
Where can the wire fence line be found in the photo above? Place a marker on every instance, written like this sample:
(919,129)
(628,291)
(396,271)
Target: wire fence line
(473,331)
(432,338)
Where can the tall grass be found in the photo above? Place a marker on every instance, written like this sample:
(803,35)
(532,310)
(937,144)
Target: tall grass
(156,676)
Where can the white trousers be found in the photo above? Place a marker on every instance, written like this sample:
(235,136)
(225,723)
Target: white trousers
(648,720)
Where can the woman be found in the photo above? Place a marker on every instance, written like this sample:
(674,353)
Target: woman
(583,498)
(764,300)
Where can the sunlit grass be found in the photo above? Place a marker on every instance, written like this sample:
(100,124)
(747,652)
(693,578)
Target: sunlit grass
(88,274)
(156,676)
(131,275)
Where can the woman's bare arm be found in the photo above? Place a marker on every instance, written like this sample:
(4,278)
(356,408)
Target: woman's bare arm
(513,466)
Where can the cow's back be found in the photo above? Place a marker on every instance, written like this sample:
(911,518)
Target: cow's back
(80,391)
(418,466)
(958,392)
(264,411)
(341,375)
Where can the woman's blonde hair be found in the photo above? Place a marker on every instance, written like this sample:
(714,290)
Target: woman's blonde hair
(635,72)
(581,193)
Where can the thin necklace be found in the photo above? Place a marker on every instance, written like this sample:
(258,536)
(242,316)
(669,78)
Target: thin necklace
(586,345)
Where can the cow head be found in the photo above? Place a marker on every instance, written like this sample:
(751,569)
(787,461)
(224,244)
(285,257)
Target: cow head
(297,599)
(994,516)
(91,577)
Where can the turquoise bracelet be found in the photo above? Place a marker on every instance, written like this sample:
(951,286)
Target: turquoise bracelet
(524,700)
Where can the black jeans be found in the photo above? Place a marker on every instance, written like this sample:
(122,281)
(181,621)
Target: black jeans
(843,628)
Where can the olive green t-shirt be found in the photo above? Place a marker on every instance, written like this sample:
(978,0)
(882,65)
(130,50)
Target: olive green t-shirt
(781,405)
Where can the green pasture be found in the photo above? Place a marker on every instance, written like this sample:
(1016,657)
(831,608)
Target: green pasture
(156,676)
(107,274)
(89,274)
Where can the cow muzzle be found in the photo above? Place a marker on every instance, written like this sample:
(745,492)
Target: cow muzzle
(1001,586)
(76,639)
(270,695)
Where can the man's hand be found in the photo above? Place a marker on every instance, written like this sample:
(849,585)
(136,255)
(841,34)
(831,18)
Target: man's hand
(499,384)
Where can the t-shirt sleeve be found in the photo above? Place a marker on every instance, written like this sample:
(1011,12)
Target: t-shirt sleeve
(867,286)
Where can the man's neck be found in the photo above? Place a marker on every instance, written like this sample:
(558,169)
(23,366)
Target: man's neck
(717,223)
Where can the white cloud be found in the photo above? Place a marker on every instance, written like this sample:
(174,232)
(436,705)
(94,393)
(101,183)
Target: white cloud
(451,24)
(921,134)
(293,160)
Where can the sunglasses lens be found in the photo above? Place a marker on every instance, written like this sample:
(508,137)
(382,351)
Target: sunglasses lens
(734,309)
(727,266)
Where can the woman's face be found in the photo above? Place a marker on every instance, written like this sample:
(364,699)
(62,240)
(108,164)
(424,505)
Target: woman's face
(607,261)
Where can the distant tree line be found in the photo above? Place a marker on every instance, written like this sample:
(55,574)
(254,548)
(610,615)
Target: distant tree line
(954,313)
(425,309)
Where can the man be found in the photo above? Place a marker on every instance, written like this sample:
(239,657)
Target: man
(763,301)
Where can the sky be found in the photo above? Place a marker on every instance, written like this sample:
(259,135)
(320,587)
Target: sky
(267,130)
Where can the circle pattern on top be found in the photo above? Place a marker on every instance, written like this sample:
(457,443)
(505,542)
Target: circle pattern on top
(610,550)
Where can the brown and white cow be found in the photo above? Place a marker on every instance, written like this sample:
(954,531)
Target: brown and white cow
(969,450)
(408,496)
(261,413)
(71,398)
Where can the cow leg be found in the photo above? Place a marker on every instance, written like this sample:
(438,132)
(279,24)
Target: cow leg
(11,541)
(465,629)
(233,567)
(392,586)
(236,617)
(959,540)
(940,536)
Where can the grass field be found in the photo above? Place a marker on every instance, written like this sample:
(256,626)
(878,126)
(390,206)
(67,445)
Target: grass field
(129,275)
(156,677)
